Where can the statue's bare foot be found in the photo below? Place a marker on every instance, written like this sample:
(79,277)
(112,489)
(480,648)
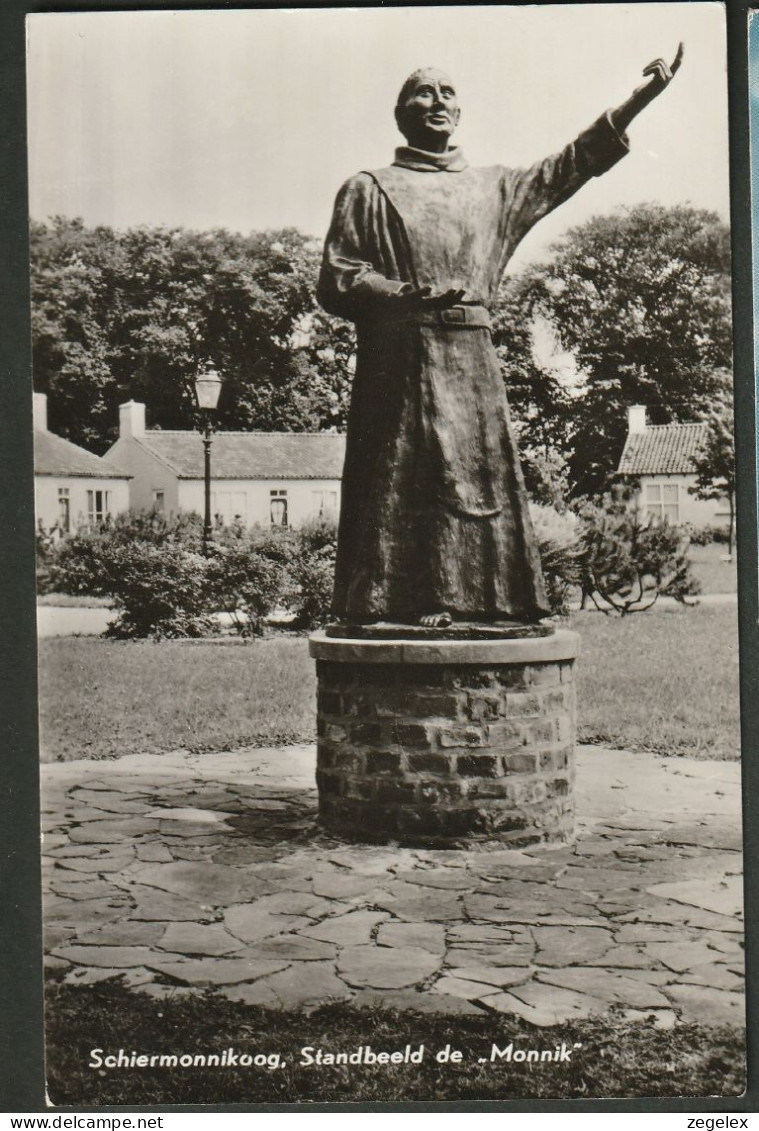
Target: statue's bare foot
(436,620)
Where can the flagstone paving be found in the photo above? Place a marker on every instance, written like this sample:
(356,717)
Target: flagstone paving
(182,872)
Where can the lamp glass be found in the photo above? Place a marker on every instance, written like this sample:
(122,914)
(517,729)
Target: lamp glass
(207,389)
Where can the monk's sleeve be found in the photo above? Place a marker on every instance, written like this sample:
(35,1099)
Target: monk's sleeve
(349,279)
(536,191)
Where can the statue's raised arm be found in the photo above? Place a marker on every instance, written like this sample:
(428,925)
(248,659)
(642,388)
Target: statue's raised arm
(660,76)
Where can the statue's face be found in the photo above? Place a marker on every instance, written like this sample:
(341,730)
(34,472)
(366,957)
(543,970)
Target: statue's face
(429,111)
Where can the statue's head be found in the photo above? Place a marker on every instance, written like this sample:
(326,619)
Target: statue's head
(427,110)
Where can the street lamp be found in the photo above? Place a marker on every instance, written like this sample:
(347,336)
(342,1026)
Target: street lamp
(207,389)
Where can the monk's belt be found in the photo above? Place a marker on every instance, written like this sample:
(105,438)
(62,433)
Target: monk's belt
(450,318)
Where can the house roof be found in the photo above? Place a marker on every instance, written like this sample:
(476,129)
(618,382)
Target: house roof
(662,449)
(55,456)
(250,455)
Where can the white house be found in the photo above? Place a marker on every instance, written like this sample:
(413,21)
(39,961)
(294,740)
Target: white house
(661,457)
(265,478)
(72,487)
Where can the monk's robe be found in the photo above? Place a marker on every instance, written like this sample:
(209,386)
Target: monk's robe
(434,513)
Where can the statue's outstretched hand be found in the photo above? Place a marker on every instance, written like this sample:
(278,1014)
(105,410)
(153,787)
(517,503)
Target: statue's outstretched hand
(658,75)
(661,74)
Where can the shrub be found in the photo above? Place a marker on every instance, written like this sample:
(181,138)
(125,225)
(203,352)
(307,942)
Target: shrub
(705,535)
(318,534)
(697,535)
(80,565)
(246,582)
(546,476)
(149,564)
(154,569)
(161,591)
(143,526)
(558,537)
(44,554)
(721,535)
(313,571)
(84,563)
(628,563)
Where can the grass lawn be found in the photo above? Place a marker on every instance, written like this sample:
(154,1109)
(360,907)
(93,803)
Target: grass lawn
(665,680)
(102,698)
(71,601)
(616,1058)
(715,575)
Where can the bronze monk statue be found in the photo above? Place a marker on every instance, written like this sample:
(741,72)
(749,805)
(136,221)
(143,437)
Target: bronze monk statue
(434,524)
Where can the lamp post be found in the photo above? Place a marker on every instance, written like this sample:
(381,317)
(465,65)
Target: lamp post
(207,389)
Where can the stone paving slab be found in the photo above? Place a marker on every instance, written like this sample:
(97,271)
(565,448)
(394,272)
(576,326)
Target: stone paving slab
(181,871)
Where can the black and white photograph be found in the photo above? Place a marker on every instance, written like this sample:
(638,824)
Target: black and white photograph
(386,554)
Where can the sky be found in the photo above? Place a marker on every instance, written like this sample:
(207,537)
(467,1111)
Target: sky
(252,119)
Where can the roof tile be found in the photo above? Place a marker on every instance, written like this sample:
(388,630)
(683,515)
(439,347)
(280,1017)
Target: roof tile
(251,455)
(55,456)
(663,449)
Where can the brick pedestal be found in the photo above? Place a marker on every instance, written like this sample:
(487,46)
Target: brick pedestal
(447,741)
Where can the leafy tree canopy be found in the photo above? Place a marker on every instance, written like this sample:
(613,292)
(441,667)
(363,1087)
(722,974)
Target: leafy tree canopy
(641,299)
(715,463)
(540,402)
(134,314)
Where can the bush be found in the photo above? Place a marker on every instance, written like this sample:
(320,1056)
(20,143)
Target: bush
(313,571)
(152,566)
(720,535)
(705,535)
(86,564)
(628,563)
(155,571)
(243,580)
(546,476)
(44,553)
(80,565)
(558,537)
(161,589)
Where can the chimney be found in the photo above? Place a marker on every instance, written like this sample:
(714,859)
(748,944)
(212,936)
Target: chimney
(39,411)
(636,419)
(131,419)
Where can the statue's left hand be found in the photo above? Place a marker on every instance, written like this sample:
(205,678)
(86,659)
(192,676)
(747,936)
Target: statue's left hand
(445,299)
(421,298)
(661,74)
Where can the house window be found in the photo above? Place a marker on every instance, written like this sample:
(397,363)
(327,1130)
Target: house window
(159,501)
(663,501)
(64,510)
(98,507)
(278,508)
(325,503)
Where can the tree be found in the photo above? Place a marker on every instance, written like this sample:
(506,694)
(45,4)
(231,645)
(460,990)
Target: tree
(641,299)
(74,305)
(538,400)
(628,563)
(715,462)
(134,314)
